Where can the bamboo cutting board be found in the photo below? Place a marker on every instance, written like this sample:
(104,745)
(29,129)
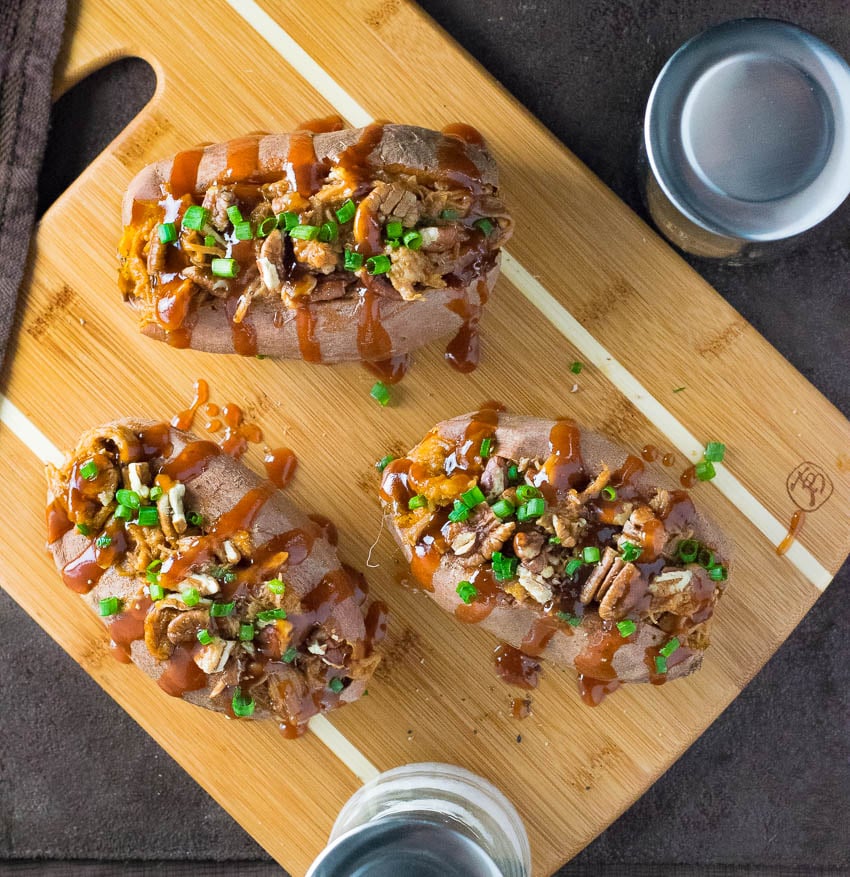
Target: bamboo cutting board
(601,288)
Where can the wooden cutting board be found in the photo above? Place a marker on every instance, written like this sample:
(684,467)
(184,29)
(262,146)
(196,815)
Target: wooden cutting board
(584,280)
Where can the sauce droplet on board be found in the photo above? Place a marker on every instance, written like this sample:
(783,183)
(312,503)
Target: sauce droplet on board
(649,453)
(515,667)
(520,707)
(797,521)
(280,466)
(184,419)
(688,478)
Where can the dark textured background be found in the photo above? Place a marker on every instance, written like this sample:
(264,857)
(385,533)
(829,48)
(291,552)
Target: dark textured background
(766,791)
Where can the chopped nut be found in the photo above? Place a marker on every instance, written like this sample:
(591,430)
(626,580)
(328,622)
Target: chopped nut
(464,542)
(204,582)
(528,544)
(231,553)
(175,499)
(534,584)
(212,658)
(185,626)
(609,563)
(618,598)
(139,474)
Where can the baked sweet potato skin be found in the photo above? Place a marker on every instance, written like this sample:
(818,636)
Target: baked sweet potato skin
(594,643)
(217,486)
(301,298)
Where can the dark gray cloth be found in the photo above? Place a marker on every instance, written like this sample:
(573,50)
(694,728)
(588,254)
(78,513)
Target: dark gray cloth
(30,35)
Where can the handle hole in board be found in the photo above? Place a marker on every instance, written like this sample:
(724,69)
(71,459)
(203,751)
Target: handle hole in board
(89,116)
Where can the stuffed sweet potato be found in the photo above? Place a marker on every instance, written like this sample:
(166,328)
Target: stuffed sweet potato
(357,244)
(207,577)
(552,538)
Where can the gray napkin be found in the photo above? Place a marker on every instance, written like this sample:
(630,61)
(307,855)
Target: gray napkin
(30,34)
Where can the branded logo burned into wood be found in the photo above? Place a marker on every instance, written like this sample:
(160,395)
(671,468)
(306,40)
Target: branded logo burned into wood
(809,486)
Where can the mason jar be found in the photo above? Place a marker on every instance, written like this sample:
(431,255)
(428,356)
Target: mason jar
(746,141)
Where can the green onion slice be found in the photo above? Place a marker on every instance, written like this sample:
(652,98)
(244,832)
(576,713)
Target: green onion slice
(394,229)
(148,516)
(705,558)
(353,261)
(630,552)
(486,445)
(224,267)
(660,664)
(109,606)
(89,470)
(527,491)
(590,554)
(103,541)
(156,493)
(222,610)
(380,393)
(156,591)
(246,632)
(271,615)
(449,214)
(129,498)
(535,507)
(234,214)
(504,568)
(384,462)
(715,452)
(195,217)
(688,549)
(626,627)
(329,232)
(504,508)
(378,264)
(466,591)
(459,512)
(204,637)
(242,704)
(576,367)
(243,231)
(412,240)
(276,586)
(289,655)
(473,497)
(167,233)
(123,512)
(610,493)
(704,470)
(417,502)
(305,232)
(190,596)
(485,226)
(513,472)
(717,573)
(266,226)
(670,647)
(195,519)
(287,221)
(347,211)
(574,565)
(83,529)
(336,685)
(209,241)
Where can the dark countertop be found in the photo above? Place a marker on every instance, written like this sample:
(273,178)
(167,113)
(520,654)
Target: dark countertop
(765,791)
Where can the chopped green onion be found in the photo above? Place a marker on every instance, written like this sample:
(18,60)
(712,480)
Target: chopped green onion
(195,519)
(717,573)
(504,568)
(715,452)
(228,577)
(630,552)
(148,516)
(353,261)
(89,470)
(266,226)
(210,241)
(449,214)
(704,470)
(486,444)
(204,637)
(156,493)
(287,221)
(590,554)
(473,497)
(378,264)
(243,231)
(660,664)
(576,367)
(271,615)
(574,565)
(109,606)
(384,462)
(535,507)
(513,472)
(190,596)
(234,214)
(329,232)
(156,591)
(129,498)
(195,217)
(504,508)
(123,512)
(103,541)
(467,592)
(413,240)
(459,512)
(222,610)
(167,233)
(554,540)
(380,393)
(336,685)
(417,502)
(688,549)
(626,627)
(242,704)
(705,558)
(670,647)
(610,493)
(246,632)
(522,512)
(276,586)
(154,565)
(261,356)
(305,232)
(394,229)
(347,211)
(289,655)
(526,491)
(84,529)
(485,226)
(224,267)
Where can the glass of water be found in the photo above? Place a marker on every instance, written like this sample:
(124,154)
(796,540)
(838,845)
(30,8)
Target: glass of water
(426,820)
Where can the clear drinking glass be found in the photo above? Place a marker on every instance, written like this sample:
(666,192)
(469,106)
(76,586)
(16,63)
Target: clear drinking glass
(746,140)
(426,820)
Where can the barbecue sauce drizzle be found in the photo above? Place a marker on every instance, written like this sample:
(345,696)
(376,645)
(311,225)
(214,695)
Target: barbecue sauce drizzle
(306,174)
